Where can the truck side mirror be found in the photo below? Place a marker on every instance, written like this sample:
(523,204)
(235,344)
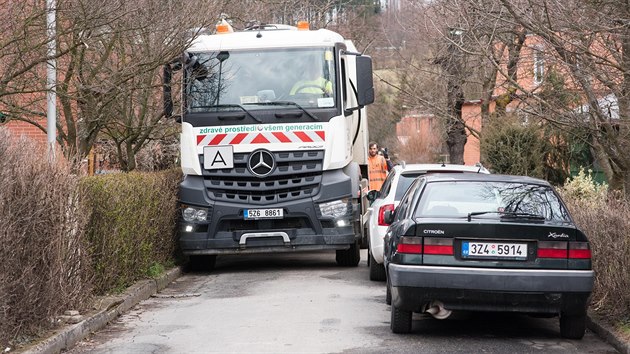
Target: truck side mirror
(365,83)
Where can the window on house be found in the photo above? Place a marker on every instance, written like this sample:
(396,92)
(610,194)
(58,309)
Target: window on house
(539,66)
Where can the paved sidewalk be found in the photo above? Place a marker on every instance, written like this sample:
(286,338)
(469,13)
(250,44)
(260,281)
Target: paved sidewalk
(110,308)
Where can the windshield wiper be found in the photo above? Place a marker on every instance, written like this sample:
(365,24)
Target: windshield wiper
(232,106)
(508,214)
(517,215)
(475,213)
(288,103)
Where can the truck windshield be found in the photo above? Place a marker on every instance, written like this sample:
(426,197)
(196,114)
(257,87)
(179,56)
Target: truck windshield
(258,79)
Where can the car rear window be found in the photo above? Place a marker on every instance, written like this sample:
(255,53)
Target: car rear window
(490,200)
(407,178)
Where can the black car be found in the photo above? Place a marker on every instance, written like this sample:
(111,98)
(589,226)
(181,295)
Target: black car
(479,242)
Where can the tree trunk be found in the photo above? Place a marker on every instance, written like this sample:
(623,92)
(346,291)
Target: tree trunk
(456,131)
(455,128)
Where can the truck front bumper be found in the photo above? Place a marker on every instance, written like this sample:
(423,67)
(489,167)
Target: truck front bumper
(302,227)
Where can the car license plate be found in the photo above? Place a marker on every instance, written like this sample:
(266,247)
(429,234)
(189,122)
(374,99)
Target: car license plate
(263,213)
(494,250)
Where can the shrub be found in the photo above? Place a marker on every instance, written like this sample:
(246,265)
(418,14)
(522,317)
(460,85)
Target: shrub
(603,216)
(584,188)
(65,239)
(43,258)
(132,225)
(514,147)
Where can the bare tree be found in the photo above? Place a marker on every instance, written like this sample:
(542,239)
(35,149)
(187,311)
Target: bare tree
(586,42)
(105,52)
(428,40)
(319,13)
(23,57)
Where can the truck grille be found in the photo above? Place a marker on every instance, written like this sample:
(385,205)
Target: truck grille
(297,175)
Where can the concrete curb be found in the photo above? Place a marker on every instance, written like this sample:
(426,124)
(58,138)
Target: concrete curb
(71,335)
(606,332)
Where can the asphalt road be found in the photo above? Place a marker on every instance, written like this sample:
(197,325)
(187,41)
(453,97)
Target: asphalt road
(305,303)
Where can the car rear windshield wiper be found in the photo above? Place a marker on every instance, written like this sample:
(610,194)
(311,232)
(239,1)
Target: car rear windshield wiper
(523,215)
(508,215)
(287,103)
(232,106)
(475,213)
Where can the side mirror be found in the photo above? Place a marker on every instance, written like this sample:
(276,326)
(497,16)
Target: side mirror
(365,82)
(388,216)
(373,194)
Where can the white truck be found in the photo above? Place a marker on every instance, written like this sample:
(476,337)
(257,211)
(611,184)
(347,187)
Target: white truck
(273,143)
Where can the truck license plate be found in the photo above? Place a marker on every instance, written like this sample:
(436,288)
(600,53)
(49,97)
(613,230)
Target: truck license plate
(494,250)
(263,213)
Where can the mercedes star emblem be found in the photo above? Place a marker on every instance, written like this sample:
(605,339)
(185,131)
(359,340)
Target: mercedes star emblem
(261,163)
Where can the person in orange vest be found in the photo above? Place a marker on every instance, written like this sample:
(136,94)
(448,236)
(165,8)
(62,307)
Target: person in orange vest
(377,167)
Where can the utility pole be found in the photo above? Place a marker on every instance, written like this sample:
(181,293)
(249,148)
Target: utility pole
(51,77)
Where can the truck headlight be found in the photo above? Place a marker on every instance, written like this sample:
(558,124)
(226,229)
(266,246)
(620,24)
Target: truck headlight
(202,214)
(191,214)
(336,208)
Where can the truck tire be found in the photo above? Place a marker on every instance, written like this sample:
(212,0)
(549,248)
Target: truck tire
(401,320)
(572,326)
(377,271)
(388,293)
(364,241)
(349,257)
(201,263)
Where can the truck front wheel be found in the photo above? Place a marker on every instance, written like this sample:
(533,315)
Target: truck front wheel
(349,257)
(201,263)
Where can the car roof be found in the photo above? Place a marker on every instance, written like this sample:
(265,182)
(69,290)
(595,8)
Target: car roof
(478,177)
(439,167)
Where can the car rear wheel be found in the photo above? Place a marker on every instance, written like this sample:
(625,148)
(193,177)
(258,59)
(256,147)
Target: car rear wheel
(349,257)
(388,294)
(401,320)
(377,271)
(572,326)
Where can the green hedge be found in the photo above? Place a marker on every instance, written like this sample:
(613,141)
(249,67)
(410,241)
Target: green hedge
(132,224)
(66,239)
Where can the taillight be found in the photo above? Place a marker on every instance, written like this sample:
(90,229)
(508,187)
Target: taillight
(552,249)
(572,250)
(440,246)
(381,214)
(410,245)
(579,250)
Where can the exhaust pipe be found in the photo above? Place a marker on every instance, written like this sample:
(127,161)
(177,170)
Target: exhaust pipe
(437,310)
